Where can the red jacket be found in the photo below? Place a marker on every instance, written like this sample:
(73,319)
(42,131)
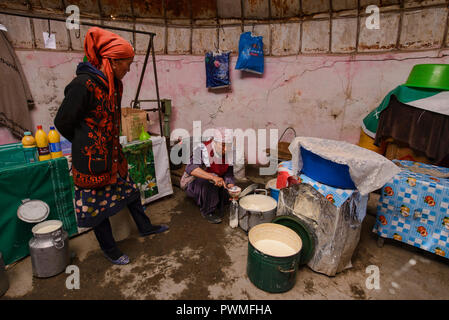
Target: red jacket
(92,122)
(218,168)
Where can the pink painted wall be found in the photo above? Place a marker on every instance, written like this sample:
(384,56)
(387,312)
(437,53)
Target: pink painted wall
(323,96)
(6,137)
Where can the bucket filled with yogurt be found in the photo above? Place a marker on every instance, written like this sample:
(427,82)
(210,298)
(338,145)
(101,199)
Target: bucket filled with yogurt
(255,209)
(273,254)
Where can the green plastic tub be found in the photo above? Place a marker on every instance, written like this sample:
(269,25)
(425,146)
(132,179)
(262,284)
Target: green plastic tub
(433,76)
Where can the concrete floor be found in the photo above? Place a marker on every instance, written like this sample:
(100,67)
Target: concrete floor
(198,260)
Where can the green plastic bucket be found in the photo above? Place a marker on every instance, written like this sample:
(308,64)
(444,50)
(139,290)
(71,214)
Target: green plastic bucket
(433,76)
(303,231)
(273,254)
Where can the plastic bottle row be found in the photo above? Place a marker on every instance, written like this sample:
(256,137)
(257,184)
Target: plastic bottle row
(42,146)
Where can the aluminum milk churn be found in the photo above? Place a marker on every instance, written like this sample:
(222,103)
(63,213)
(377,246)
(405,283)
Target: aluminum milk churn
(49,249)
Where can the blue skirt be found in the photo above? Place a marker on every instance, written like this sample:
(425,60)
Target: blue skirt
(92,206)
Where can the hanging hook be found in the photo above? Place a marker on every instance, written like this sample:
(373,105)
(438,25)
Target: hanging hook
(217,50)
(49,28)
(78,33)
(252,30)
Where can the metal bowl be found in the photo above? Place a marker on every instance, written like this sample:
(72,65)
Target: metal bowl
(234,191)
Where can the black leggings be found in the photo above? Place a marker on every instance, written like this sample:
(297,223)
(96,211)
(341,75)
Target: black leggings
(103,231)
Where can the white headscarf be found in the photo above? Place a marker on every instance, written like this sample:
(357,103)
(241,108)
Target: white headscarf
(223,135)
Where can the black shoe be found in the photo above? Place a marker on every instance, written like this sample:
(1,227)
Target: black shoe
(213,217)
(155,229)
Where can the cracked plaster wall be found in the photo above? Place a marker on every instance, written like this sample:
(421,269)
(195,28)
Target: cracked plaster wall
(323,96)
(324,71)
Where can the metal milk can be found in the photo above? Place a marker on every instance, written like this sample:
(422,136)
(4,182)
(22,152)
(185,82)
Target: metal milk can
(49,249)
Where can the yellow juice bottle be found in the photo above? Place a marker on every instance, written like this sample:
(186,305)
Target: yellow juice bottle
(42,144)
(54,139)
(29,147)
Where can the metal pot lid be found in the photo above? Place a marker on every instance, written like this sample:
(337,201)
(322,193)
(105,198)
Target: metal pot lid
(248,190)
(308,242)
(33,211)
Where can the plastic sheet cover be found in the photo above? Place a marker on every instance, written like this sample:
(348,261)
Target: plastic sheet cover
(335,230)
(369,170)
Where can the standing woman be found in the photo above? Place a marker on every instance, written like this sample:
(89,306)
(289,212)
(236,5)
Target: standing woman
(89,117)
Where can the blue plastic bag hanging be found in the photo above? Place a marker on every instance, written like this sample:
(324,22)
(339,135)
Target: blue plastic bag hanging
(250,53)
(217,69)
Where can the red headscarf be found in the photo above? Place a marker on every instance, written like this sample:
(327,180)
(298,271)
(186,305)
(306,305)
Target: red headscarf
(101,45)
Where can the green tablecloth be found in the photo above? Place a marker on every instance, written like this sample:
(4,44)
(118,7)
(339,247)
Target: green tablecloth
(48,181)
(404,94)
(11,154)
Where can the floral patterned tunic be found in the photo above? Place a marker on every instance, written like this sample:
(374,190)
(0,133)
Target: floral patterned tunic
(91,122)
(94,205)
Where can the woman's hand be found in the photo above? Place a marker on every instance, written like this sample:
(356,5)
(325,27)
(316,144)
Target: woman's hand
(230,185)
(200,173)
(218,181)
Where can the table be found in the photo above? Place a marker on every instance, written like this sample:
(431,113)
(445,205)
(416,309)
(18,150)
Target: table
(422,130)
(413,208)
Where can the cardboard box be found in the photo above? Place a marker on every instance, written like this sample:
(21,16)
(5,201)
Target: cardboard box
(396,150)
(132,122)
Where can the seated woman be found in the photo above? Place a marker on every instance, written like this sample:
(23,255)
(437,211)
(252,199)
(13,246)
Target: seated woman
(208,174)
